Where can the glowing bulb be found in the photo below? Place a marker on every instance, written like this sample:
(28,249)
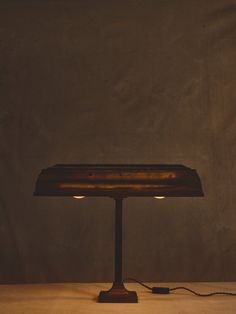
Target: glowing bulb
(159,197)
(78,196)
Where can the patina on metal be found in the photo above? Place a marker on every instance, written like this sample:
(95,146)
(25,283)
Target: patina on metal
(118,180)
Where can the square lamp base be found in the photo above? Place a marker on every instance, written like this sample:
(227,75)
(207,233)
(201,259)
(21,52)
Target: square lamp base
(118,295)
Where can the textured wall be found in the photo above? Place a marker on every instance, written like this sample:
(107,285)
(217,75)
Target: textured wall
(117,82)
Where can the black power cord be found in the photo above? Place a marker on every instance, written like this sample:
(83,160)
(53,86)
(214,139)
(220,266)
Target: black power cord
(167,290)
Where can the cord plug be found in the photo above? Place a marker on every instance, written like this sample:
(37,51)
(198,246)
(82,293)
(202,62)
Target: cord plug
(161,290)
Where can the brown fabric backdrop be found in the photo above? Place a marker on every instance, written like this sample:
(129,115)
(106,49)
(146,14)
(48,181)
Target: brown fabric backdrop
(117,82)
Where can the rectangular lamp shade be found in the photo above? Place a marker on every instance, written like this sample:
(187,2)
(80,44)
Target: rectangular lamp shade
(118,180)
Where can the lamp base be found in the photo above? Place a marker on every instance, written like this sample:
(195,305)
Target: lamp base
(118,294)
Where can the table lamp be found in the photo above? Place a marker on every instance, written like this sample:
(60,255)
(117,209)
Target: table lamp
(118,181)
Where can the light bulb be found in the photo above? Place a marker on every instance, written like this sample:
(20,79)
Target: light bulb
(78,196)
(159,197)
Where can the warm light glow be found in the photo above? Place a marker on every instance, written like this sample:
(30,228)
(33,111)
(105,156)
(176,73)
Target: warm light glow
(78,196)
(159,197)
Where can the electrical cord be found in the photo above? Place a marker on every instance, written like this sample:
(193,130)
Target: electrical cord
(167,290)
(204,294)
(140,282)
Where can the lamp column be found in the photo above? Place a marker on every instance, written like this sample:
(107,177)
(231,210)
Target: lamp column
(118,293)
(118,243)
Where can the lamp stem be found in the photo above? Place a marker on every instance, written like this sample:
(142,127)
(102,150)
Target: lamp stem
(118,241)
(118,293)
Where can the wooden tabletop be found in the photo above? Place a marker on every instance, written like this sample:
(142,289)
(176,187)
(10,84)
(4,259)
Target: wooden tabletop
(70,298)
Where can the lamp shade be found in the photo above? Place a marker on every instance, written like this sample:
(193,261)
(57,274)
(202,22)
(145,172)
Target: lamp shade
(118,180)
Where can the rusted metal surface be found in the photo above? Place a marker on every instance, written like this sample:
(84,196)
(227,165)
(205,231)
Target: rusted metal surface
(118,180)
